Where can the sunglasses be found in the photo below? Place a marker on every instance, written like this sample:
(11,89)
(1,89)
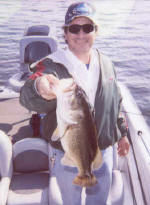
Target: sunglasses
(86,28)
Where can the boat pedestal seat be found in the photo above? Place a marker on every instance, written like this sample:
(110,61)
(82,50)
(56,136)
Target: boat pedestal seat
(30,180)
(35,45)
(30,188)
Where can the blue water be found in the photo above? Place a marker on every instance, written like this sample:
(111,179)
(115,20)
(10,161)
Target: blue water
(124,35)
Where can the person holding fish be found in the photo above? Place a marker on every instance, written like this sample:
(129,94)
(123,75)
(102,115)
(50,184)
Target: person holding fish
(77,89)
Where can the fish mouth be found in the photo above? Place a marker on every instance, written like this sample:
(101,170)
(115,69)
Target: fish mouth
(81,94)
(67,85)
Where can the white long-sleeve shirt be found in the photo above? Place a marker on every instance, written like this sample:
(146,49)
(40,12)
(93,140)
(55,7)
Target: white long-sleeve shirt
(86,78)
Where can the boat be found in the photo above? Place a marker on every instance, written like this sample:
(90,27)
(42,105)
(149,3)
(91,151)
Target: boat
(25,163)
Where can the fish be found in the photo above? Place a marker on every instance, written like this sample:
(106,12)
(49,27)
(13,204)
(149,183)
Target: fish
(77,132)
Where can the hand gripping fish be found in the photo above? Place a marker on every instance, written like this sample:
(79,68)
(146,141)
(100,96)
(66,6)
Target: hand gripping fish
(77,132)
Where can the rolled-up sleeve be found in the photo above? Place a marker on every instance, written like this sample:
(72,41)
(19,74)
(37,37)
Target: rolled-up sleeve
(30,99)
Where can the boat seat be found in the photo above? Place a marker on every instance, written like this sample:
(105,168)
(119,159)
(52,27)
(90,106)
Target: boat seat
(30,180)
(37,30)
(36,51)
(5,166)
(33,48)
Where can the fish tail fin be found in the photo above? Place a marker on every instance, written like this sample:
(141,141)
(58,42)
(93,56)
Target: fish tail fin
(85,181)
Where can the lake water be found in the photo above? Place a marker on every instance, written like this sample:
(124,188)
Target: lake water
(124,35)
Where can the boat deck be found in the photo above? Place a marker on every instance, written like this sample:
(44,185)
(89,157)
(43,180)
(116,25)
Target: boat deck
(14,119)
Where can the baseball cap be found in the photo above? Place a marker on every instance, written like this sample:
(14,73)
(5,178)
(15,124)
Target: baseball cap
(80,9)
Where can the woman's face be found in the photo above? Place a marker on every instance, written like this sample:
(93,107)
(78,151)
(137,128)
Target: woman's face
(81,42)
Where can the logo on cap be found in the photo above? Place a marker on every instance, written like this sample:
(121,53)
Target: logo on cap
(79,9)
(82,9)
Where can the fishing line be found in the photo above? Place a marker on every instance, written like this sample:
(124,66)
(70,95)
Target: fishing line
(133,113)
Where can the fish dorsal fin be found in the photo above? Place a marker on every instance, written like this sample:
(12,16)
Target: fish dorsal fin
(96,164)
(67,161)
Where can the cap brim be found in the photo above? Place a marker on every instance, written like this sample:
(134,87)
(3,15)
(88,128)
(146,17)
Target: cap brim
(89,17)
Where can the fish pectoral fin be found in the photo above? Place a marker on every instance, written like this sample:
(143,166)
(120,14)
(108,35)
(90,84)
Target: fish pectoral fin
(96,164)
(55,135)
(67,161)
(59,133)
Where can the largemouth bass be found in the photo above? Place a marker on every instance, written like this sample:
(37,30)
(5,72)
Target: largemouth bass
(77,132)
